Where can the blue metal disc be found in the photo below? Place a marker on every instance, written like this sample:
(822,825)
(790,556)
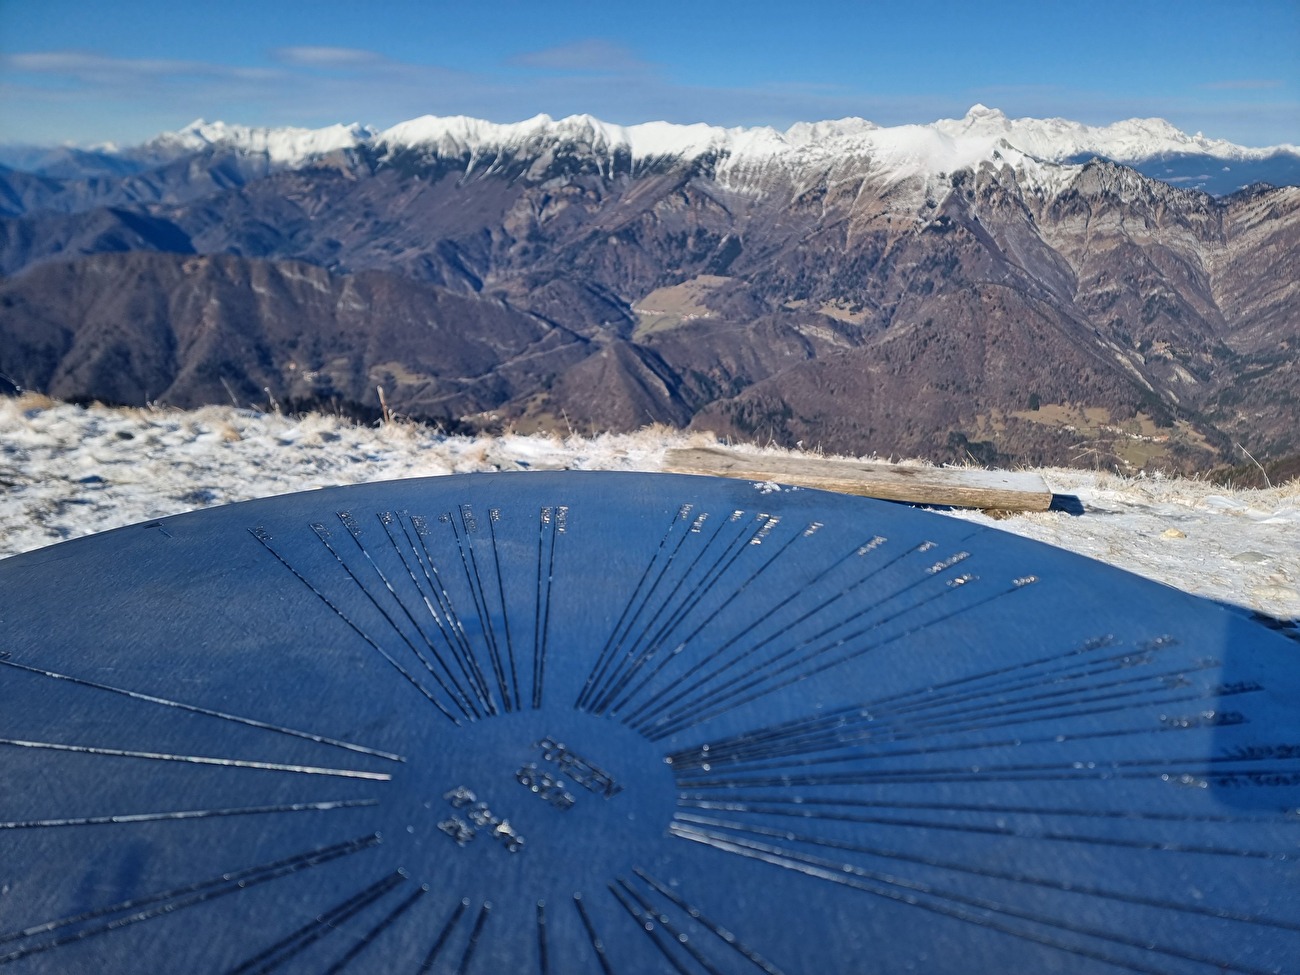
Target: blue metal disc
(593,723)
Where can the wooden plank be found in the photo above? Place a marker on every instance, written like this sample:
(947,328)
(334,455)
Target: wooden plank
(958,487)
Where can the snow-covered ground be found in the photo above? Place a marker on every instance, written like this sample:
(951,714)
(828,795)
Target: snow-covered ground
(67,471)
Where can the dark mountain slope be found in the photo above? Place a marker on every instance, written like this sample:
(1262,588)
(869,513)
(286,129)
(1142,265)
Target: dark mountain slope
(132,328)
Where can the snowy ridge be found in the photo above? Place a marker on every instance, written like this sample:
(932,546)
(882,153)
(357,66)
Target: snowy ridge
(1059,139)
(283,146)
(458,135)
(68,471)
(938,147)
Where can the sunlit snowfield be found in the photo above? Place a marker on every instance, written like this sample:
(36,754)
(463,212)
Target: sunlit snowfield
(67,471)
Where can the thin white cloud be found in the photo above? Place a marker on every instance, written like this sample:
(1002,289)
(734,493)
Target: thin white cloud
(591,54)
(83,64)
(328,57)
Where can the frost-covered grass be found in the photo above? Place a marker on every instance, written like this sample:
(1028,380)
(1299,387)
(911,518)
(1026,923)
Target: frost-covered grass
(68,470)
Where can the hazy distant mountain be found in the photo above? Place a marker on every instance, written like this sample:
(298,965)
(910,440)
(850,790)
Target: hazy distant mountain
(966,288)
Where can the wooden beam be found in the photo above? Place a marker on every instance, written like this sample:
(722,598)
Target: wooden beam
(955,486)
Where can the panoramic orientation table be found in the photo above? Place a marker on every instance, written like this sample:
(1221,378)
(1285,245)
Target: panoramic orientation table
(624,723)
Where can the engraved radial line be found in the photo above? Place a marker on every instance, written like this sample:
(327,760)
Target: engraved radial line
(944,705)
(474,935)
(693,711)
(866,879)
(476,597)
(386,519)
(683,723)
(665,922)
(169,902)
(440,943)
(195,709)
(723,690)
(942,722)
(197,760)
(630,648)
(1055,712)
(543,618)
(461,648)
(752,803)
(634,656)
(473,580)
(803,760)
(1002,831)
(368,938)
(543,957)
(322,925)
(560,528)
(704,587)
(727,937)
(597,945)
(1002,706)
(751,534)
(878,727)
(296,862)
(1072,887)
(775,856)
(646,924)
(543,522)
(831,719)
(354,531)
(1031,678)
(452,632)
(602,658)
(1145,766)
(626,648)
(840,734)
(919,696)
(1077,772)
(794,730)
(687,678)
(494,515)
(1073,771)
(262,536)
(858,734)
(636,604)
(635,713)
(191,814)
(469,561)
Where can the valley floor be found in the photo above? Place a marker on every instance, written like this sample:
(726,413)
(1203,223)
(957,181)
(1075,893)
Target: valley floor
(67,471)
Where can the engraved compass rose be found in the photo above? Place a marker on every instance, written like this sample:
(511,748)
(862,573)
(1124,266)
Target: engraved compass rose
(613,723)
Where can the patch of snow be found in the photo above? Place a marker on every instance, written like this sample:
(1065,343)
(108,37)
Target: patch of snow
(1240,547)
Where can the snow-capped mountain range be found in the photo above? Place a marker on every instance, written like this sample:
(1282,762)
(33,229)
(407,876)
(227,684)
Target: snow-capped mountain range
(1153,146)
(939,147)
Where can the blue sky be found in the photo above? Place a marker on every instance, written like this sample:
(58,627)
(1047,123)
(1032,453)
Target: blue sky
(83,71)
